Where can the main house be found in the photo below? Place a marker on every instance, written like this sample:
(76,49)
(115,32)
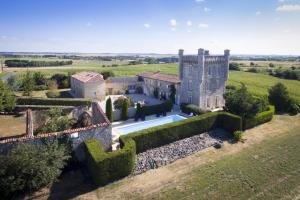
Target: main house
(200,81)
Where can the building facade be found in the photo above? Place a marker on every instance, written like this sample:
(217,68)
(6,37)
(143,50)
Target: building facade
(203,79)
(89,85)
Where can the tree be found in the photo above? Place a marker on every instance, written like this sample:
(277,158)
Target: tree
(107,74)
(27,83)
(7,98)
(234,66)
(39,78)
(108,108)
(271,65)
(173,93)
(138,110)
(124,113)
(57,121)
(279,97)
(242,103)
(29,167)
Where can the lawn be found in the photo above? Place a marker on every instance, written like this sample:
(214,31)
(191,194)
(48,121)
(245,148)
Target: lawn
(11,125)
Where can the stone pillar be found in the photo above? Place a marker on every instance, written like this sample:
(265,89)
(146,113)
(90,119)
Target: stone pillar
(29,123)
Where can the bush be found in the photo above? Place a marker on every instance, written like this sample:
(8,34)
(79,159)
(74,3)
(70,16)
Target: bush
(165,134)
(62,80)
(107,74)
(234,66)
(36,63)
(259,118)
(238,135)
(28,167)
(120,101)
(53,102)
(253,70)
(190,108)
(279,97)
(106,167)
(124,113)
(154,109)
(294,108)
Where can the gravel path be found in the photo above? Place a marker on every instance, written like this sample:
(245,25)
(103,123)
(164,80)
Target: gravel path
(166,154)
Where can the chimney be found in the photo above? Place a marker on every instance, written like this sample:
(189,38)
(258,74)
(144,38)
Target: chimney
(206,53)
(200,52)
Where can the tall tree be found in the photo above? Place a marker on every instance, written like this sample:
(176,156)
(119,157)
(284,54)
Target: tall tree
(173,93)
(108,109)
(7,98)
(27,83)
(124,113)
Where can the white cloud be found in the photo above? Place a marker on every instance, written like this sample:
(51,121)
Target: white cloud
(89,24)
(206,9)
(257,13)
(146,25)
(199,1)
(189,23)
(173,23)
(203,25)
(289,8)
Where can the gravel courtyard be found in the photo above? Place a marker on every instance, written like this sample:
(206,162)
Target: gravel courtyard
(166,154)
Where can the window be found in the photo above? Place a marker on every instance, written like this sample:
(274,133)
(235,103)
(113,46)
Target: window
(186,71)
(217,102)
(190,70)
(190,85)
(209,70)
(207,103)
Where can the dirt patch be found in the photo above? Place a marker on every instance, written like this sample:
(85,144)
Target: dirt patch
(11,125)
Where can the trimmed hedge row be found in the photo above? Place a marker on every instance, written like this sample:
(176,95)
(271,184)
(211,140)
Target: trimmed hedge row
(53,101)
(191,108)
(154,109)
(165,134)
(260,118)
(106,167)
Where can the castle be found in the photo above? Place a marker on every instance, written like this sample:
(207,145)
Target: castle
(201,81)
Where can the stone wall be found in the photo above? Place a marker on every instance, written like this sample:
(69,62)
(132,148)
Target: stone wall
(203,79)
(100,130)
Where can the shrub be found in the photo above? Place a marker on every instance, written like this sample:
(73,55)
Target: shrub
(107,74)
(234,66)
(190,108)
(154,109)
(52,94)
(108,109)
(165,134)
(279,97)
(294,108)
(124,113)
(259,118)
(120,101)
(106,167)
(238,135)
(253,70)
(28,167)
(62,80)
(53,102)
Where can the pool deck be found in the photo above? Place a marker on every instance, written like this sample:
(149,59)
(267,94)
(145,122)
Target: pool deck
(116,136)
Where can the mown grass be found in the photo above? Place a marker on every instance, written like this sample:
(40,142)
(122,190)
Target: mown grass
(268,170)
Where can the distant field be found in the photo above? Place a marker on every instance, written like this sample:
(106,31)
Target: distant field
(283,64)
(256,83)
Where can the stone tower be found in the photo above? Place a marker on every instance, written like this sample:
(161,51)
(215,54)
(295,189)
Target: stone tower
(203,78)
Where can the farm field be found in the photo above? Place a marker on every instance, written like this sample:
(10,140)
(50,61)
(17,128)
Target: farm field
(266,166)
(265,64)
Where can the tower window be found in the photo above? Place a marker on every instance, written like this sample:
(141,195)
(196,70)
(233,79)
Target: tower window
(190,86)
(190,98)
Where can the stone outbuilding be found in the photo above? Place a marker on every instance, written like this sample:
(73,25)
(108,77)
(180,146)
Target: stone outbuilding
(90,85)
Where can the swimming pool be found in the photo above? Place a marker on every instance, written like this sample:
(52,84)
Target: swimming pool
(123,130)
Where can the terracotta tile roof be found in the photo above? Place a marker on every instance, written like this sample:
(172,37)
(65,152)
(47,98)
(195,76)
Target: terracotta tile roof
(161,77)
(88,77)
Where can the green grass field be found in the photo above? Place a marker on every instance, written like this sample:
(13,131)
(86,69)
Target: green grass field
(269,170)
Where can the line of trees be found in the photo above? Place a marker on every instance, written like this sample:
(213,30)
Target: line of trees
(36,63)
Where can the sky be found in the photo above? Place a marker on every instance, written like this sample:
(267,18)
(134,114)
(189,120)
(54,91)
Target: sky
(150,26)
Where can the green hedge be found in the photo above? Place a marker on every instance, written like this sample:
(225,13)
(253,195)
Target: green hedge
(190,108)
(154,109)
(53,101)
(165,134)
(260,118)
(106,167)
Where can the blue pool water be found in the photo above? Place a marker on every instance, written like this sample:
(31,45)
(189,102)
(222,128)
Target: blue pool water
(123,130)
